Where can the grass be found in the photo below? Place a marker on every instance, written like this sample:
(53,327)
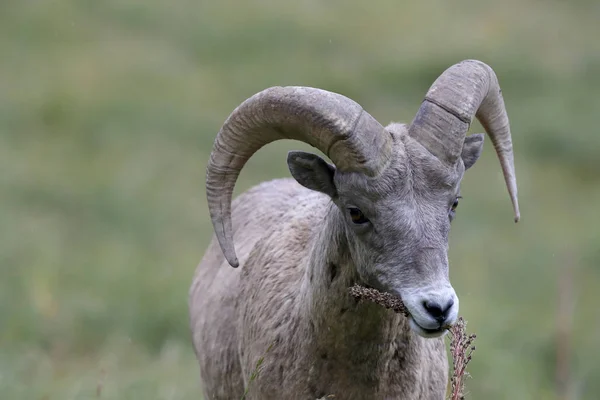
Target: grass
(120,370)
(107,114)
(256,371)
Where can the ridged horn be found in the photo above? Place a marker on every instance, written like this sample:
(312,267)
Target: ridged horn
(467,89)
(332,123)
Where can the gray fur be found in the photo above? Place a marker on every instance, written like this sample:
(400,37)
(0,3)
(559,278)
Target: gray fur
(286,293)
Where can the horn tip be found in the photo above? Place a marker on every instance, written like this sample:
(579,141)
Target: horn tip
(517,217)
(233,260)
(230,256)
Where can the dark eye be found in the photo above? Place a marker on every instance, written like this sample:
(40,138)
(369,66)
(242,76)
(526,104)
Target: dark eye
(455,204)
(453,208)
(357,216)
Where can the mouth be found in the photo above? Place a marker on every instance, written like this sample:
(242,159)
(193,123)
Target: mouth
(426,332)
(394,302)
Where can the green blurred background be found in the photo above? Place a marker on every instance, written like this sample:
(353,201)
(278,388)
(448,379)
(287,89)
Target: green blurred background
(108,110)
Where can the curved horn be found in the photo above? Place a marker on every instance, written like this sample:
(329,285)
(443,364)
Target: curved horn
(332,123)
(469,88)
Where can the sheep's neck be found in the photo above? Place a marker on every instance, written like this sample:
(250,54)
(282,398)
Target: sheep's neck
(351,339)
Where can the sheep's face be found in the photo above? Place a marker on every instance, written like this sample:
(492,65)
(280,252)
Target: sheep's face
(397,223)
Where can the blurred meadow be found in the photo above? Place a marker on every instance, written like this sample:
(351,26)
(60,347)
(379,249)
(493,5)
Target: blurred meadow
(108,111)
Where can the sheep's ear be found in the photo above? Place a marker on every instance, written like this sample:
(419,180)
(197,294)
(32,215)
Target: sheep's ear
(312,172)
(472,149)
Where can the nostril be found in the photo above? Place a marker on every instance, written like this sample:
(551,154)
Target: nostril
(436,310)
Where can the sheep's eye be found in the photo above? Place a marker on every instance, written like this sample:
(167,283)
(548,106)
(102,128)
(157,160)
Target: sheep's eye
(455,204)
(357,216)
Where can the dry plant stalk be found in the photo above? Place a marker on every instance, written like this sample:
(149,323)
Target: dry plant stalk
(100,384)
(461,343)
(461,349)
(564,330)
(386,300)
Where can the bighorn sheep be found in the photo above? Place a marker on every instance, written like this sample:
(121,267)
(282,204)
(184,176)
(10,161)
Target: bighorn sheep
(379,216)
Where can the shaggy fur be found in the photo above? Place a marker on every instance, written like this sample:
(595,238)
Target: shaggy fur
(299,253)
(379,216)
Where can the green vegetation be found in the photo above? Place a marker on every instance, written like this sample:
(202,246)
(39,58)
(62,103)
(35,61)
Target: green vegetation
(108,110)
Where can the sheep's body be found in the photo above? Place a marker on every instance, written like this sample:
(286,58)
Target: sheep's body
(380,216)
(291,293)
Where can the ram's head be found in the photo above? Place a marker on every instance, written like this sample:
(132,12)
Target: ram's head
(396,188)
